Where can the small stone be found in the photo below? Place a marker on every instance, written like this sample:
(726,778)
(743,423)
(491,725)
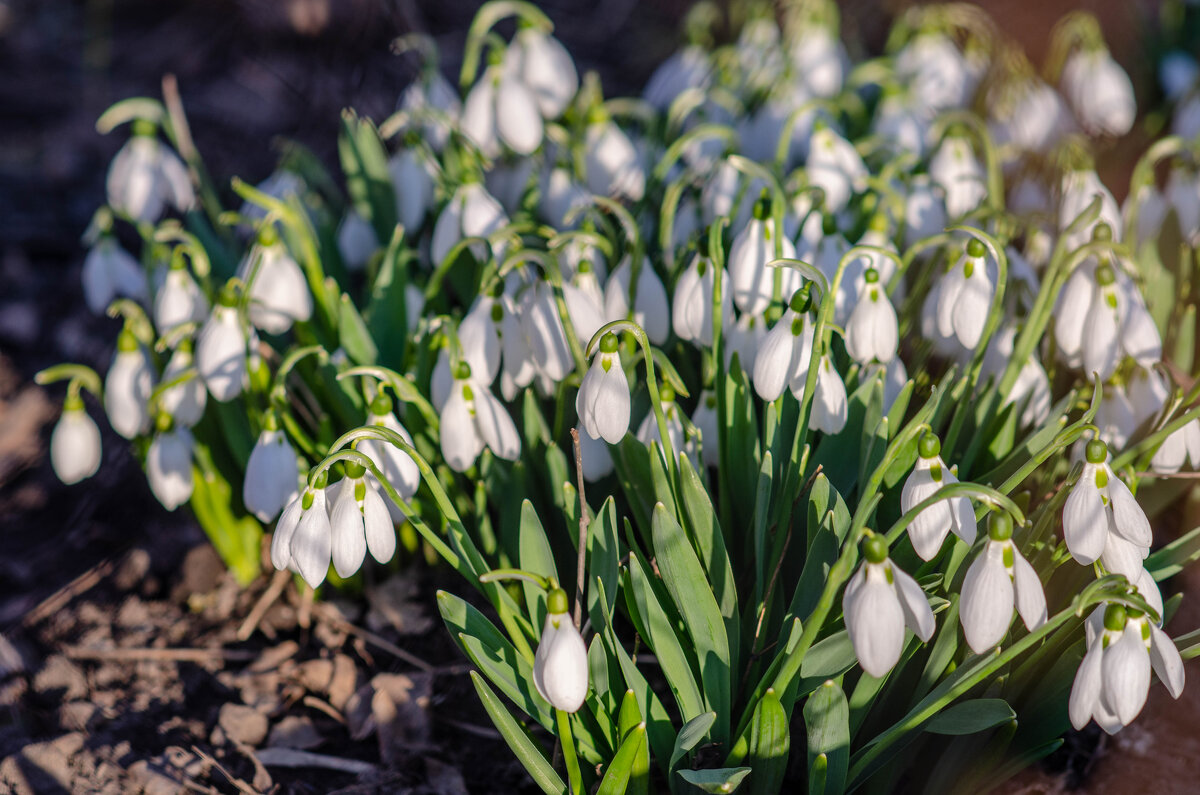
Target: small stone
(273,657)
(316,675)
(133,570)
(76,714)
(344,682)
(243,724)
(60,674)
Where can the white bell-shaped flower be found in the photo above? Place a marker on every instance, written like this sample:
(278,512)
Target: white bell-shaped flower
(819,61)
(518,370)
(560,666)
(750,280)
(785,352)
(146,177)
(999,579)
(687,68)
(180,300)
(127,388)
(396,465)
(872,332)
(303,539)
(965,297)
(744,338)
(272,474)
(727,194)
(479,345)
(613,165)
(110,272)
(1147,391)
(1079,189)
(692,311)
(471,419)
(561,198)
(879,602)
(597,461)
(603,398)
(434,99)
(413,181)
(1031,390)
(959,173)
(471,212)
(279,294)
(501,111)
(1036,118)
(900,126)
(185,401)
(1099,91)
(1100,317)
(359,522)
(924,209)
(545,333)
(852,285)
(75,443)
(1113,680)
(585,302)
(221,350)
(542,63)
(356,241)
(836,167)
(1102,520)
(829,406)
(707,422)
(931,526)
(651,310)
(169,467)
(936,73)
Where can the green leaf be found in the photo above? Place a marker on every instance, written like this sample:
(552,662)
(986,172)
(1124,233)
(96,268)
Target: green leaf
(353,334)
(968,717)
(685,580)
(535,556)
(762,507)
(827,717)
(715,781)
(690,736)
(1174,557)
(364,159)
(532,757)
(769,745)
(740,443)
(631,459)
(603,560)
(830,658)
(709,540)
(662,482)
(386,314)
(832,451)
(627,773)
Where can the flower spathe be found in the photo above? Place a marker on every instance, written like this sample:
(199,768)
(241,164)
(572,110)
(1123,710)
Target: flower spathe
(603,399)
(1102,520)
(560,666)
(75,444)
(880,601)
(931,526)
(999,579)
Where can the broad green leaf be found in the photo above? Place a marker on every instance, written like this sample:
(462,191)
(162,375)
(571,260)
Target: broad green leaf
(364,160)
(762,508)
(827,718)
(353,334)
(718,781)
(709,539)
(662,482)
(631,459)
(769,745)
(739,467)
(386,314)
(536,557)
(522,745)
(968,717)
(1171,559)
(690,736)
(603,552)
(629,770)
(830,658)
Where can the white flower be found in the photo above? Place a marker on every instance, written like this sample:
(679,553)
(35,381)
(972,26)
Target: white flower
(936,73)
(999,579)
(358,522)
(879,602)
(744,338)
(692,312)
(835,166)
(185,401)
(819,61)
(750,280)
(356,241)
(585,302)
(221,351)
(1036,119)
(706,421)
(1102,520)
(545,334)
(169,467)
(561,197)
(146,176)
(471,419)
(272,475)
(603,398)
(1078,190)
(1113,680)
(651,309)
(397,466)
(1100,92)
(955,168)
(924,210)
(75,443)
(303,537)
(502,111)
(282,185)
(560,666)
(727,195)
(613,165)
(829,405)
(785,352)
(1100,316)
(1180,447)
(413,181)
(127,388)
(1147,391)
(900,126)
(648,433)
(929,529)
(872,332)
(895,376)
(542,63)
(180,300)
(471,212)
(1031,390)
(279,293)
(965,297)
(433,99)
(687,68)
(111,272)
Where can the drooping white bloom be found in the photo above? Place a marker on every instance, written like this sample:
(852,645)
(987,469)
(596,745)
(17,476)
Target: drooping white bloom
(936,73)
(221,351)
(687,68)
(111,272)
(603,398)
(959,173)
(561,198)
(692,312)
(180,300)
(931,526)
(648,432)
(471,212)
(185,401)
(879,602)
(282,185)
(479,345)
(169,467)
(1181,447)
(413,181)
(1102,520)
(1031,390)
(471,419)
(835,166)
(560,666)
(542,63)
(501,111)
(434,100)
(75,443)
(145,177)
(1035,120)
(359,522)
(829,406)
(744,338)
(850,291)
(872,332)
(819,61)
(899,126)
(785,352)
(728,194)
(272,475)
(396,465)
(585,303)
(965,297)
(545,334)
(750,280)
(127,387)
(279,294)
(613,165)
(303,538)
(1099,91)
(1100,317)
(999,579)
(706,421)
(1113,680)
(651,309)
(1079,189)
(356,241)
(1147,391)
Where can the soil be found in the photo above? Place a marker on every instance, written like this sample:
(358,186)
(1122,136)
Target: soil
(127,660)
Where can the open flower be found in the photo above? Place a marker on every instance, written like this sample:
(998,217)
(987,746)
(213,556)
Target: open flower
(931,526)
(692,311)
(145,177)
(75,443)
(1102,520)
(560,666)
(303,538)
(614,167)
(501,111)
(999,579)
(127,387)
(829,406)
(272,474)
(879,602)
(784,354)
(872,332)
(396,465)
(169,466)
(472,418)
(471,212)
(651,308)
(965,297)
(603,398)
(109,272)
(358,522)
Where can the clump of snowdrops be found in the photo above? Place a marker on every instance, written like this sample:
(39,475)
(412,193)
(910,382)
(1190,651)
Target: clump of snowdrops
(801,419)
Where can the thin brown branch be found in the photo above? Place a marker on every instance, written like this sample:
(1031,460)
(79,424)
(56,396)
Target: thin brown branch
(278,583)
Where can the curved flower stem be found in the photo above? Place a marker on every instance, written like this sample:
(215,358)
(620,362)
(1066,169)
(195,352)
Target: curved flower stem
(485,19)
(136,319)
(1152,441)
(949,491)
(1143,175)
(279,382)
(78,375)
(401,385)
(701,132)
(498,575)
(172,232)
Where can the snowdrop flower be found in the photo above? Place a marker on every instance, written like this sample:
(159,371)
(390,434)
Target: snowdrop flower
(413,182)
(603,398)
(872,332)
(725,196)
(169,466)
(744,338)
(836,167)
(272,473)
(965,297)
(279,293)
(879,602)
(651,309)
(931,526)
(1113,680)
(706,421)
(692,313)
(1100,316)
(829,405)
(819,61)
(585,302)
(1036,119)
(959,173)
(687,68)
(613,165)
(1079,189)
(560,666)
(542,63)
(397,466)
(356,241)
(751,281)
(936,72)
(999,579)
(545,334)
(358,522)
(471,212)
(145,177)
(647,432)
(597,461)
(127,387)
(1100,92)
(75,443)
(1147,392)
(185,401)
(180,300)
(434,99)
(472,418)
(561,197)
(480,346)
(1031,390)
(784,355)
(1102,520)
(899,126)
(110,272)
(895,376)
(1182,446)
(221,350)
(501,111)
(303,539)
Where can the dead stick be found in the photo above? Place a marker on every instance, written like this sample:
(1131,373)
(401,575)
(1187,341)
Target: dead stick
(376,640)
(164,655)
(278,583)
(581,560)
(324,706)
(60,598)
(241,786)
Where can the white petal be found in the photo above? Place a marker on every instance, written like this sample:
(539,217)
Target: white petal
(169,468)
(829,406)
(1122,557)
(518,119)
(1165,659)
(918,615)
(972,307)
(1128,517)
(1100,340)
(377,524)
(348,539)
(1085,524)
(75,447)
(311,545)
(1085,691)
(127,389)
(875,622)
(285,528)
(986,607)
(460,441)
(272,474)
(560,665)
(963,517)
(951,286)
(447,230)
(773,365)
(496,427)
(928,530)
(1031,599)
(479,117)
(1125,673)
(221,354)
